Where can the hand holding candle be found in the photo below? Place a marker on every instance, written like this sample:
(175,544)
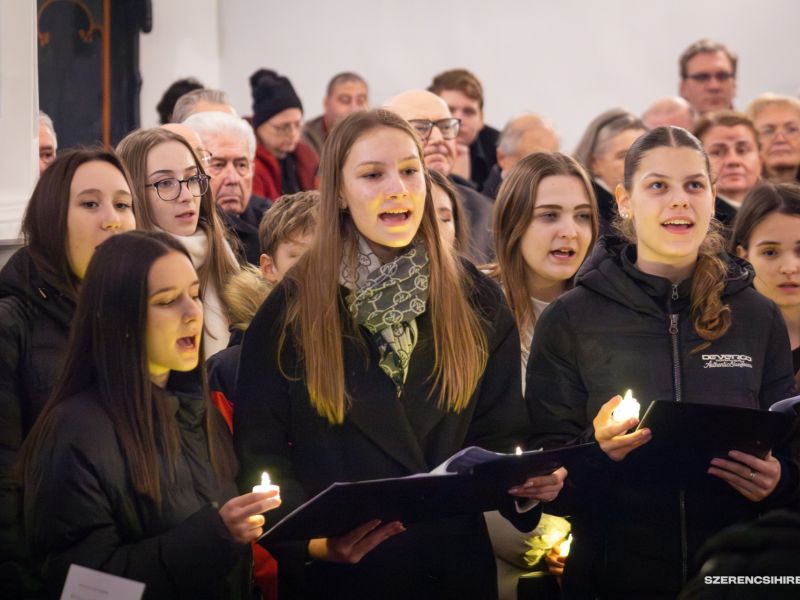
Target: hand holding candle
(265,485)
(244,515)
(627,409)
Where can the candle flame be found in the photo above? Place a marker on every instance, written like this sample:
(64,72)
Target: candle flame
(564,548)
(265,480)
(628,396)
(518,451)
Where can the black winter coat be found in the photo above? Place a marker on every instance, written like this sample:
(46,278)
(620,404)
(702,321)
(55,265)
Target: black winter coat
(34,329)
(80,507)
(277,429)
(635,530)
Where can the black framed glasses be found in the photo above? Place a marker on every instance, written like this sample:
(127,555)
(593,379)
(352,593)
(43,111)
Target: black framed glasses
(448,127)
(170,188)
(721,76)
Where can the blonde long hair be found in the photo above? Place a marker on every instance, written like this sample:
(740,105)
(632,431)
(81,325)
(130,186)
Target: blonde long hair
(319,320)
(133,150)
(513,211)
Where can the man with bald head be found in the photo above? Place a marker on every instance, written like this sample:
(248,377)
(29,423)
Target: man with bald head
(437,128)
(521,136)
(670,110)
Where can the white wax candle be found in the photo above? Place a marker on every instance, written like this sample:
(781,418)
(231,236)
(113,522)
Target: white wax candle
(629,407)
(265,485)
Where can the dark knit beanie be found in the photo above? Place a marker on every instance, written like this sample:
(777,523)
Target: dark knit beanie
(272,93)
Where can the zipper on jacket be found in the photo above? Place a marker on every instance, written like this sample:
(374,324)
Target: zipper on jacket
(678,393)
(675,291)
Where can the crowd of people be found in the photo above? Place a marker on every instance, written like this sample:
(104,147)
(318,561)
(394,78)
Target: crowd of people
(360,296)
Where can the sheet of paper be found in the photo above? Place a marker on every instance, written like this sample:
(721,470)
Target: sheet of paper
(88,584)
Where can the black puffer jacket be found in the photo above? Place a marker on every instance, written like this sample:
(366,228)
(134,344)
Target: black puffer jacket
(34,328)
(80,507)
(635,531)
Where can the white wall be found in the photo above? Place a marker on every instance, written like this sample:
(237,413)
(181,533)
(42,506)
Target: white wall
(184,42)
(19,120)
(566,59)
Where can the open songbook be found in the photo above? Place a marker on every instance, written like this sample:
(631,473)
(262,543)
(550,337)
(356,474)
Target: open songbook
(472,481)
(687,435)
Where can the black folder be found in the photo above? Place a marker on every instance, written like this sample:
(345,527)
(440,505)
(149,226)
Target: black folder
(687,435)
(472,481)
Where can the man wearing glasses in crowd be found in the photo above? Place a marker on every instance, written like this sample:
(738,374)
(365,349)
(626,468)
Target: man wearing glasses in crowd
(232,146)
(284,163)
(438,129)
(708,76)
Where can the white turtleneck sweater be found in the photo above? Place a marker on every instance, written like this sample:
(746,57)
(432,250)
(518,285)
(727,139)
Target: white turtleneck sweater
(526,337)
(215,320)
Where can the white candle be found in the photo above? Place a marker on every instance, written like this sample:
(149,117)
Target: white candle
(265,485)
(629,407)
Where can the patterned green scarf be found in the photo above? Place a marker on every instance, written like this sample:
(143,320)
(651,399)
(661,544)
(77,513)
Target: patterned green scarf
(386,300)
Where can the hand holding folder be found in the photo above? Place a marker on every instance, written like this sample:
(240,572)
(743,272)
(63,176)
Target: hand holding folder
(470,482)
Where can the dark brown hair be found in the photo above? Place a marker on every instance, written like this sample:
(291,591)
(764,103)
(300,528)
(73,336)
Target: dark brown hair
(108,352)
(760,202)
(44,225)
(461,80)
(463,242)
(725,118)
(704,46)
(710,316)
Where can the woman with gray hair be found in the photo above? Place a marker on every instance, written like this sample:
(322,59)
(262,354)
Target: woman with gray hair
(602,151)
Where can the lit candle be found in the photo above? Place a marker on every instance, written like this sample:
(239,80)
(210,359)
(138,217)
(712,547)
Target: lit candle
(563,548)
(518,451)
(265,485)
(629,407)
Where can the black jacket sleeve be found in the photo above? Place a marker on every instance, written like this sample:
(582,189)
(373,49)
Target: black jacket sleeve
(500,407)
(75,504)
(12,340)
(778,383)
(262,418)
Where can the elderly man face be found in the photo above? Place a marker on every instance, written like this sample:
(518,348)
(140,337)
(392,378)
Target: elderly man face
(421,108)
(345,98)
(47,147)
(231,170)
(534,135)
(710,83)
(669,111)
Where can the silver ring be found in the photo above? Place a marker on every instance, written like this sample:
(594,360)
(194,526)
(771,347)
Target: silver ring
(752,475)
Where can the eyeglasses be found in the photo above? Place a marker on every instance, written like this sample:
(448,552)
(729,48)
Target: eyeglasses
(448,127)
(203,155)
(287,128)
(169,189)
(218,164)
(788,129)
(721,76)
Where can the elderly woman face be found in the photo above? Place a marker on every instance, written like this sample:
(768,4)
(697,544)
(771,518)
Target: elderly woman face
(778,127)
(608,162)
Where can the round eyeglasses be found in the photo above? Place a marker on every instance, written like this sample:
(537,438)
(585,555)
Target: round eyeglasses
(170,188)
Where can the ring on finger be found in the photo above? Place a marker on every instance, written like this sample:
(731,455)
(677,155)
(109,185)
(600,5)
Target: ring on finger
(752,475)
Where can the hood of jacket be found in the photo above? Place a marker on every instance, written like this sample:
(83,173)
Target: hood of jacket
(610,271)
(20,278)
